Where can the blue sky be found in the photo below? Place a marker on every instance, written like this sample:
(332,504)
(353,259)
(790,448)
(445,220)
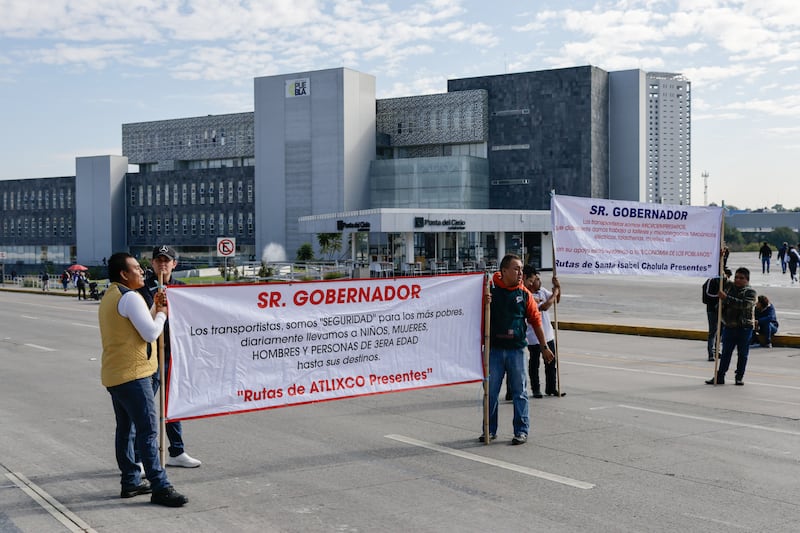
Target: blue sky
(73,71)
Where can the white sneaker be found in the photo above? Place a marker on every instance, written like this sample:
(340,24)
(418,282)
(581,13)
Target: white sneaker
(183,460)
(141,467)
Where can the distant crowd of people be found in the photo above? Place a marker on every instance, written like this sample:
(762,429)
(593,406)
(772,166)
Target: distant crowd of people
(787,254)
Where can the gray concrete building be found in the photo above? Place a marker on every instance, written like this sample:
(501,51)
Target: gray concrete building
(321,154)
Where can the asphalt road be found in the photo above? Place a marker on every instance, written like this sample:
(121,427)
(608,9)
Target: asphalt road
(638,444)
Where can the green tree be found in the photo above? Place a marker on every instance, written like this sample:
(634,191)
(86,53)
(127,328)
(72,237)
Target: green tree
(781,235)
(329,243)
(733,238)
(305,252)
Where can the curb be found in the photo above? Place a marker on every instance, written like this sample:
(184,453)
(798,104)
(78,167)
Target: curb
(781,341)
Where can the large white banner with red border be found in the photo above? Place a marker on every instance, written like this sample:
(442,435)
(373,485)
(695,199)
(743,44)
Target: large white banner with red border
(239,348)
(597,236)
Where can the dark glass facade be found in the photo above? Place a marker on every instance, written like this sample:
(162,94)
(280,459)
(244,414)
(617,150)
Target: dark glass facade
(547,130)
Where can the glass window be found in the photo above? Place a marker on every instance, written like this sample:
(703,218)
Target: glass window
(193,193)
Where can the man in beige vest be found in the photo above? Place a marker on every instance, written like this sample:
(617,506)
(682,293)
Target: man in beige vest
(128,329)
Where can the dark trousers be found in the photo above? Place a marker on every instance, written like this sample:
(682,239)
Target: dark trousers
(174,429)
(550,385)
(135,410)
(738,338)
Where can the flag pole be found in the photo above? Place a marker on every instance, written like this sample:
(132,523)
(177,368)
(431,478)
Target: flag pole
(486,335)
(718,333)
(561,393)
(162,395)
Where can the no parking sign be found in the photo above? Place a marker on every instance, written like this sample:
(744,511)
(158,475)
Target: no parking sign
(226,247)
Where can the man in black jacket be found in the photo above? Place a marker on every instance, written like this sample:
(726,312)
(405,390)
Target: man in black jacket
(165,259)
(738,303)
(711,299)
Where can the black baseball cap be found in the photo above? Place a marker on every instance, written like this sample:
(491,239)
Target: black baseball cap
(166,251)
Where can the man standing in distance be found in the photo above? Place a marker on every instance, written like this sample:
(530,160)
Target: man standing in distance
(127,330)
(165,259)
(738,304)
(511,306)
(544,300)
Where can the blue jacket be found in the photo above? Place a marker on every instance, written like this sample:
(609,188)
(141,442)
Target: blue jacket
(768,313)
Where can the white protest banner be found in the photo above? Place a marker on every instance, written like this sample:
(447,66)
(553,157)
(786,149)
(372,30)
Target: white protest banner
(598,236)
(238,348)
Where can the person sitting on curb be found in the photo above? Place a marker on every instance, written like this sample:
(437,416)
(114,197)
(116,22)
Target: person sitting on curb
(766,322)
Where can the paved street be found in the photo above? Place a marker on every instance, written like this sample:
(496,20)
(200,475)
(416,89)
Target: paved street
(638,444)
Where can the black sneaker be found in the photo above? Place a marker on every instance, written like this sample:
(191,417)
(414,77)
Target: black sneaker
(482,438)
(168,497)
(537,394)
(739,381)
(141,488)
(711,381)
(522,438)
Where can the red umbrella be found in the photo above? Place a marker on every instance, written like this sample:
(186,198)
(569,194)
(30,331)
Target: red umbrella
(77,268)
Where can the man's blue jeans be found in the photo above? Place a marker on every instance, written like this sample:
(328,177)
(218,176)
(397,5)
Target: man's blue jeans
(511,363)
(767,329)
(134,408)
(738,338)
(765,265)
(174,429)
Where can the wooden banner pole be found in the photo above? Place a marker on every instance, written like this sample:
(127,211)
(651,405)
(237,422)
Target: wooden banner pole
(162,394)
(486,347)
(561,393)
(718,334)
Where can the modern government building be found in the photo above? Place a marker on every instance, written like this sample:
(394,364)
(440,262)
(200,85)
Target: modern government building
(448,180)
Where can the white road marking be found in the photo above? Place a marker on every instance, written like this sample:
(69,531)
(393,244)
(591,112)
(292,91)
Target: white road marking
(713,420)
(494,462)
(66,517)
(85,325)
(30,317)
(44,348)
(671,374)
